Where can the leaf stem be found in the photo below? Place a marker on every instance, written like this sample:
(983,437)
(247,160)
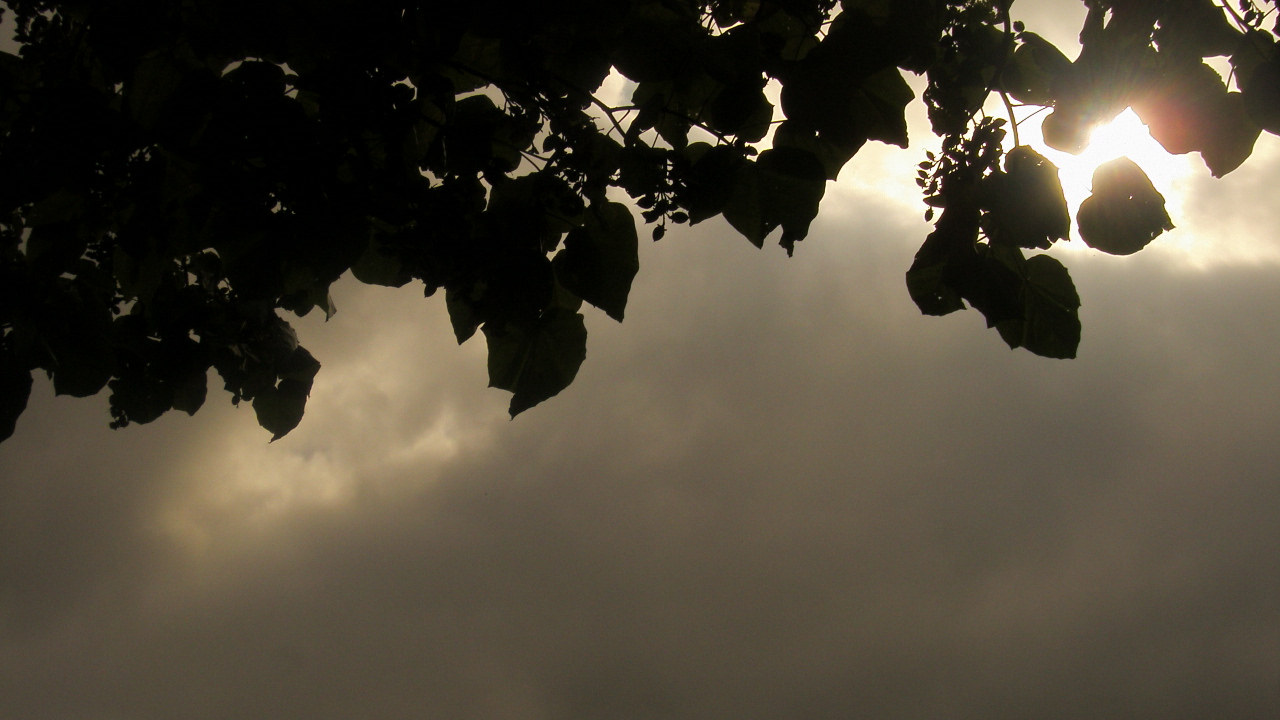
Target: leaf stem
(1013,119)
(1004,96)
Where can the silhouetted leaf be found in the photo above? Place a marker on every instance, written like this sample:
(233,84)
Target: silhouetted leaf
(1050,325)
(15,388)
(462,316)
(190,391)
(1125,211)
(1197,29)
(833,155)
(1036,66)
(1066,131)
(377,266)
(783,187)
(600,259)
(1261,89)
(1028,208)
(279,407)
(1189,108)
(709,185)
(948,246)
(537,358)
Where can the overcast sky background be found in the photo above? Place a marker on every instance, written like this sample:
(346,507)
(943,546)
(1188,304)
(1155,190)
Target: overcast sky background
(776,491)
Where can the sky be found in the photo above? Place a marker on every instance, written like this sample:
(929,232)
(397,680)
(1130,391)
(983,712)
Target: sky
(776,491)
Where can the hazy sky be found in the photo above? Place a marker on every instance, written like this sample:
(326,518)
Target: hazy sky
(776,491)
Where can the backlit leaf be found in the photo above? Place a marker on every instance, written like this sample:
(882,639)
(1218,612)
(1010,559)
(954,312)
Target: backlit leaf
(1028,208)
(1125,212)
(600,259)
(15,389)
(537,358)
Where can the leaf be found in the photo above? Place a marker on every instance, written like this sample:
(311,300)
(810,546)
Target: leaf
(833,155)
(1036,66)
(783,36)
(1196,29)
(672,106)
(741,110)
(1257,67)
(745,210)
(1028,208)
(1262,96)
(151,90)
(476,59)
(1050,324)
(928,279)
(1189,109)
(376,266)
(190,391)
(782,188)
(1233,142)
(947,250)
(535,359)
(821,98)
(709,183)
(15,389)
(655,43)
(480,136)
(462,316)
(1257,49)
(1125,212)
(75,331)
(884,116)
(539,205)
(1066,131)
(64,205)
(600,259)
(280,408)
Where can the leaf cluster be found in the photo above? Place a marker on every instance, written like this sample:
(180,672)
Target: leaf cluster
(174,177)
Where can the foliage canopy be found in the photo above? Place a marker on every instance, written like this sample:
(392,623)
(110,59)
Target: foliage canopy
(172,174)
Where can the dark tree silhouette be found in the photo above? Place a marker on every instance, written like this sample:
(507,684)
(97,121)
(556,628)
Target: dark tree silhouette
(173,174)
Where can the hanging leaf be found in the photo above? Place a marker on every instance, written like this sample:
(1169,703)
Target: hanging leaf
(1262,95)
(378,266)
(462,316)
(1233,142)
(1125,212)
(1036,66)
(1196,29)
(710,181)
(880,107)
(1028,208)
(279,408)
(15,389)
(1066,131)
(821,98)
(1050,322)
(929,280)
(600,259)
(535,359)
(833,155)
(784,187)
(1189,109)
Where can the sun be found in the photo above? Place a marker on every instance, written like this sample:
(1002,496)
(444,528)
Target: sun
(1124,136)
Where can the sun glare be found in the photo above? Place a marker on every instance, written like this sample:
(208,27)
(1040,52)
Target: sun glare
(1124,136)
